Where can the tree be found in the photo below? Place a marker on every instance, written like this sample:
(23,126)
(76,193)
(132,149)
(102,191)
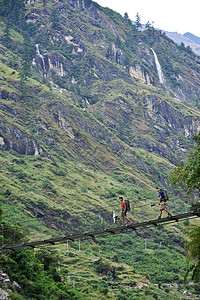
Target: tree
(149,25)
(182,45)
(126,18)
(14,12)
(26,56)
(54,19)
(35,271)
(6,36)
(193,254)
(188,49)
(138,23)
(22,80)
(28,50)
(49,258)
(187,176)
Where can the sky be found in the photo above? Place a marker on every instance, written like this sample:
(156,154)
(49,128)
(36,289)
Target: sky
(171,15)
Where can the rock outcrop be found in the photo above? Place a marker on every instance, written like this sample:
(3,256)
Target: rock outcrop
(7,286)
(110,93)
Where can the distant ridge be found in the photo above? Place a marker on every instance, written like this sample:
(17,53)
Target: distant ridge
(192,37)
(187,38)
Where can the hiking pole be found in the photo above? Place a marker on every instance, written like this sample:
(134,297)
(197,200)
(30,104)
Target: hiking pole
(154,204)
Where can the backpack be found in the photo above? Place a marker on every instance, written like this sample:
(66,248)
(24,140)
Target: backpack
(166,196)
(128,207)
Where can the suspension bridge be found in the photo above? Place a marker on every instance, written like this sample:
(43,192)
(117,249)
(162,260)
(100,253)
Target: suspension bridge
(106,231)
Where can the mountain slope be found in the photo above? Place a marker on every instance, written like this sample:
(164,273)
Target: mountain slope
(92,94)
(84,119)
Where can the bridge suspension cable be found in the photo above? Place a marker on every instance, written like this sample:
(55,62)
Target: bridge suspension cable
(106,231)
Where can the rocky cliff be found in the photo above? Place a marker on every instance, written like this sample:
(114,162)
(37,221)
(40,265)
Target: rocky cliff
(108,47)
(90,109)
(94,59)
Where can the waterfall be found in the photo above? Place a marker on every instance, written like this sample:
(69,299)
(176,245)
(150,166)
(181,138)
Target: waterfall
(159,69)
(42,59)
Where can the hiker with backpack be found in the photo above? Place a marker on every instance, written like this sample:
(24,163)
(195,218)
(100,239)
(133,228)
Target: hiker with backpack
(162,201)
(124,211)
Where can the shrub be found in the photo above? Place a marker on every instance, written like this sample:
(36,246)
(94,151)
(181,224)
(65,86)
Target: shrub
(115,258)
(102,267)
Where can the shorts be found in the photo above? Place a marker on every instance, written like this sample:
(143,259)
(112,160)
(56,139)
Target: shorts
(162,205)
(123,213)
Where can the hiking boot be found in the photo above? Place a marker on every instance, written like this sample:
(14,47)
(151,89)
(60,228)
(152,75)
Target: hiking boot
(130,223)
(169,216)
(159,217)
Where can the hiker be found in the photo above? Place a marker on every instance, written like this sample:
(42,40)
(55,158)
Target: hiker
(162,203)
(124,210)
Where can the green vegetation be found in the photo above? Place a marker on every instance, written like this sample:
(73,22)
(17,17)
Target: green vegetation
(36,272)
(98,125)
(193,251)
(122,258)
(187,176)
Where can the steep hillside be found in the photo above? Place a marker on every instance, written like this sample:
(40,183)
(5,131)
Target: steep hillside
(84,118)
(104,65)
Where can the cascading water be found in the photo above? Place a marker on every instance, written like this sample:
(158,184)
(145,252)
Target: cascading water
(159,69)
(42,59)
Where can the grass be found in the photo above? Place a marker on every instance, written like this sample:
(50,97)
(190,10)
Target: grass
(81,267)
(92,163)
(68,187)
